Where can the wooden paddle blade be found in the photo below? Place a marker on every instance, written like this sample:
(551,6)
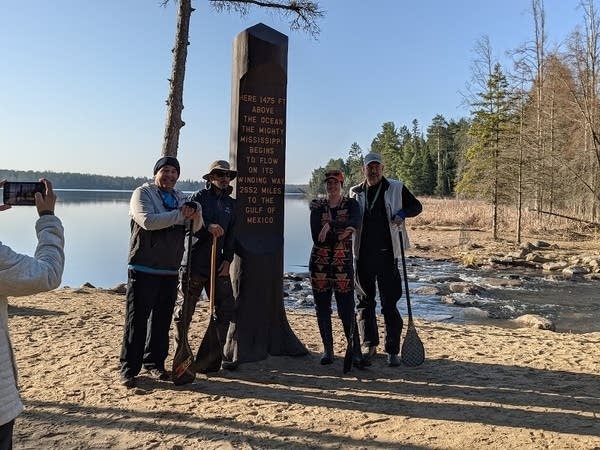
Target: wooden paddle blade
(210,353)
(183,370)
(413,352)
(348,358)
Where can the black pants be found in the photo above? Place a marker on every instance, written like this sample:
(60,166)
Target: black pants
(148,314)
(379,269)
(6,434)
(224,303)
(344,302)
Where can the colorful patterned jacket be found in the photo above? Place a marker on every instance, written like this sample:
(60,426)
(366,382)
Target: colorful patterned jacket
(331,261)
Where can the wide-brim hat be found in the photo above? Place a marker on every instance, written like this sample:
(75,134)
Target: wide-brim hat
(220,165)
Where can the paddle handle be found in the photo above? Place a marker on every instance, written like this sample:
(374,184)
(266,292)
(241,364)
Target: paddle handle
(213,276)
(405,277)
(188,258)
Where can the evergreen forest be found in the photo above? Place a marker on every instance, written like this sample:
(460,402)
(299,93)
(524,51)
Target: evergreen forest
(532,139)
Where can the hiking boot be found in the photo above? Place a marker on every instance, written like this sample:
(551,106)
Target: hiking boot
(128,381)
(327,338)
(368,355)
(393,360)
(326,358)
(229,365)
(358,362)
(159,374)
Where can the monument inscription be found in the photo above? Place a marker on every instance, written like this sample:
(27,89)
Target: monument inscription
(262,140)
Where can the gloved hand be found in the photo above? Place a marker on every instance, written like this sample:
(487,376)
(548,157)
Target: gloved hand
(399,217)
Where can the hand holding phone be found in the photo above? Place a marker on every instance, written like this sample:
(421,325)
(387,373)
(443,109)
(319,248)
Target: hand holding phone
(22,193)
(45,201)
(29,193)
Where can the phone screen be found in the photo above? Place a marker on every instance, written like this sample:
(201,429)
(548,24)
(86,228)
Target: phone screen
(17,193)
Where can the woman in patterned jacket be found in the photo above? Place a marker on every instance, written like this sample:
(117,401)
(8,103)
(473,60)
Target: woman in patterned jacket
(333,220)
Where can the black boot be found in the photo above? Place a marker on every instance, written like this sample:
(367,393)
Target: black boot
(351,332)
(327,338)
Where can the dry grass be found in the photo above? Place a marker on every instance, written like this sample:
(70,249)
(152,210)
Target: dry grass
(476,214)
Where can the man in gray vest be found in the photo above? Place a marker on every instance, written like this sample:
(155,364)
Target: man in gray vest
(384,204)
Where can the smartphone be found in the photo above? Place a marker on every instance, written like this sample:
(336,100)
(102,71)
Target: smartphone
(22,193)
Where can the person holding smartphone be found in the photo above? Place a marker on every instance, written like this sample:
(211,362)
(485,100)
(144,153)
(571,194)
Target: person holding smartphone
(26,275)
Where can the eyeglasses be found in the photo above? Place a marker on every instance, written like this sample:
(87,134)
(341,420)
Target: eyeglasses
(221,173)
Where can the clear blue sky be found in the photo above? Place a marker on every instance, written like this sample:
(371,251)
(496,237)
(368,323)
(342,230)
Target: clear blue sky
(83,83)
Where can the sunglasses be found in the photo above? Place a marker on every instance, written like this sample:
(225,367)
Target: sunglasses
(221,173)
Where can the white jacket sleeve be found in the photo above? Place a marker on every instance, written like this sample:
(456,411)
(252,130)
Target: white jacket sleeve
(26,275)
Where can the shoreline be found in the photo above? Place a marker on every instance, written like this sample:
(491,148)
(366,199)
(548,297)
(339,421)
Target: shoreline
(480,387)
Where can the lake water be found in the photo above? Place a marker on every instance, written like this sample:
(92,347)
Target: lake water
(97,234)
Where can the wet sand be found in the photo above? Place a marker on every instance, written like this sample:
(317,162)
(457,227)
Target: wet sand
(480,387)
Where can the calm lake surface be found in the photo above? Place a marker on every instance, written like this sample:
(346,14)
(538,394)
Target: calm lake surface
(97,235)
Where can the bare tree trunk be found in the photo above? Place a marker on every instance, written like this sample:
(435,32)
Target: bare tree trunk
(174,123)
(520,177)
(495,193)
(537,7)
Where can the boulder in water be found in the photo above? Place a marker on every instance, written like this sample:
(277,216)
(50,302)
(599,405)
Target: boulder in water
(535,321)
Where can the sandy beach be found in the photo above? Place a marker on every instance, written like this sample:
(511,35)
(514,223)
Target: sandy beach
(480,387)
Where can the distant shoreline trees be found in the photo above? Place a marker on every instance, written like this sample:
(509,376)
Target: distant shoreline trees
(71,180)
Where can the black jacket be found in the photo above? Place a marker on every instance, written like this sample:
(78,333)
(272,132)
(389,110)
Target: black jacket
(217,208)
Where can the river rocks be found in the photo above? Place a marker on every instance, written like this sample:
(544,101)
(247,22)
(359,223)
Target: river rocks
(575,270)
(475,313)
(536,258)
(430,290)
(535,321)
(463,287)
(460,300)
(554,266)
(515,261)
(522,253)
(502,282)
(593,262)
(541,244)
(445,279)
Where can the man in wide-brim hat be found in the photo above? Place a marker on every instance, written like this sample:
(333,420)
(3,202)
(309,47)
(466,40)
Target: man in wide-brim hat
(219,168)
(218,213)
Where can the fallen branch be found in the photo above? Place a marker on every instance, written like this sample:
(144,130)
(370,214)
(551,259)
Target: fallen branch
(596,224)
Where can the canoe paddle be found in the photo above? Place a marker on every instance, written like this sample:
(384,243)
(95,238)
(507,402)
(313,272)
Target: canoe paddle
(413,352)
(183,371)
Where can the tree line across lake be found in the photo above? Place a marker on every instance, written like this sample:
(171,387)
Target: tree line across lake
(71,180)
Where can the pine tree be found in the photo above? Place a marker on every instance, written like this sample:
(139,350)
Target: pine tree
(387,144)
(354,165)
(489,131)
(440,145)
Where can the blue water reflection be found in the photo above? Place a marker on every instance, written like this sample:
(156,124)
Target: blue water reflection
(97,234)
